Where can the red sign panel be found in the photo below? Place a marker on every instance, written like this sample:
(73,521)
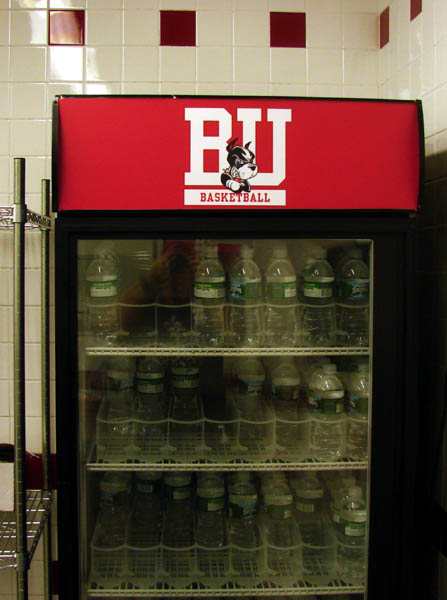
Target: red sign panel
(152,153)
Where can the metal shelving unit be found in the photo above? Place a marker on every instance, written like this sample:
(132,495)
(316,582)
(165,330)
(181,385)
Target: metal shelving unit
(21,530)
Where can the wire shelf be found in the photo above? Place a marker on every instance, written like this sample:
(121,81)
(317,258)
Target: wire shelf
(188,351)
(37,509)
(271,464)
(33,220)
(301,588)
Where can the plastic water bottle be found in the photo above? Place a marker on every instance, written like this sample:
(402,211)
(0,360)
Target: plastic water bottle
(209,299)
(245,321)
(186,414)
(318,541)
(137,291)
(114,510)
(318,309)
(102,295)
(114,422)
(145,530)
(308,496)
(285,397)
(148,501)
(357,420)
(353,301)
(179,516)
(351,536)
(328,419)
(150,425)
(281,328)
(250,400)
(244,538)
(210,515)
(339,491)
(278,519)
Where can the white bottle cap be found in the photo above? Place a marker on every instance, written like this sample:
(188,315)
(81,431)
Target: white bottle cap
(363,368)
(280,252)
(211,251)
(247,251)
(320,253)
(286,380)
(329,368)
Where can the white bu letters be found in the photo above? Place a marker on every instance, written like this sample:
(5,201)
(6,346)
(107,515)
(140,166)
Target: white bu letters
(248,117)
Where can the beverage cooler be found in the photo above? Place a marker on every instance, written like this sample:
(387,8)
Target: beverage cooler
(235,346)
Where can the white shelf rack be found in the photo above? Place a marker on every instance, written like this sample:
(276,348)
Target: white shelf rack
(235,465)
(231,589)
(228,351)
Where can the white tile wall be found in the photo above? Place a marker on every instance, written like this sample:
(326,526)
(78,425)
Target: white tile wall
(233,56)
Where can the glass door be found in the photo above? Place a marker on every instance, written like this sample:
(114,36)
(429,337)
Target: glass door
(224,416)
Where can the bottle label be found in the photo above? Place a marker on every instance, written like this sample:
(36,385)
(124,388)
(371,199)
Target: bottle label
(250,388)
(178,493)
(317,289)
(185,381)
(354,290)
(242,511)
(210,290)
(279,512)
(326,406)
(103,289)
(146,375)
(210,504)
(288,392)
(307,507)
(281,290)
(358,405)
(354,529)
(149,486)
(150,387)
(245,290)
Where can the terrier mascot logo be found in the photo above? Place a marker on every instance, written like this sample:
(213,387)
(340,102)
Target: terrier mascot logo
(242,167)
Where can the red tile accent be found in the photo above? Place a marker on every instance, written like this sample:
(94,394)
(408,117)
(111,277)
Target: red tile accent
(177,28)
(287,30)
(66,27)
(415,8)
(384,27)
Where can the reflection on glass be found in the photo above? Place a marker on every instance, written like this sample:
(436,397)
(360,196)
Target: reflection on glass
(213,293)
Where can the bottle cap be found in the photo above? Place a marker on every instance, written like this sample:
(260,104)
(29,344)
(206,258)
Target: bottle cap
(363,368)
(286,381)
(211,251)
(280,252)
(329,368)
(247,251)
(320,253)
